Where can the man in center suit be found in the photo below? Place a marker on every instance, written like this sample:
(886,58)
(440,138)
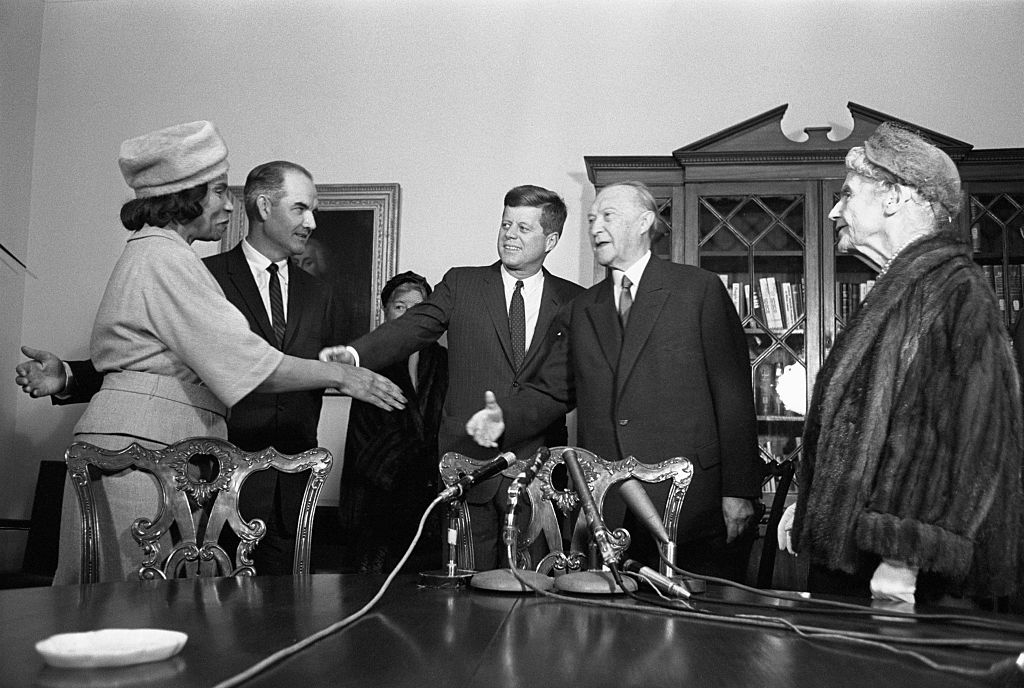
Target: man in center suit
(655,362)
(280,198)
(472,305)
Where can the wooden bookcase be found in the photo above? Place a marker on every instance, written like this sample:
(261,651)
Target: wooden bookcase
(751,205)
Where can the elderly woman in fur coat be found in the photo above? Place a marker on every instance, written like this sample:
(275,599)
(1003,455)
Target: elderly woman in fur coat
(911,480)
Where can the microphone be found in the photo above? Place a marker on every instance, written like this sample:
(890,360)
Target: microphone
(530,471)
(666,585)
(636,498)
(488,470)
(510,533)
(593,514)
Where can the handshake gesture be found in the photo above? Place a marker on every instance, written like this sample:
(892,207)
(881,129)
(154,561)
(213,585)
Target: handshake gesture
(337,354)
(488,424)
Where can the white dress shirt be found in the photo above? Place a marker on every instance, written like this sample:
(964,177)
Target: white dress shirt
(258,264)
(533,290)
(634,272)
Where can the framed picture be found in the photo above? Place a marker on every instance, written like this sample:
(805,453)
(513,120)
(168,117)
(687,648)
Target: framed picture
(354,248)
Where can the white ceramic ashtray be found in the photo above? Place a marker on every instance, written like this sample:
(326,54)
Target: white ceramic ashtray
(110,647)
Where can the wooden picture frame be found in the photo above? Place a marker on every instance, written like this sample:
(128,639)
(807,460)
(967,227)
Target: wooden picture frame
(354,247)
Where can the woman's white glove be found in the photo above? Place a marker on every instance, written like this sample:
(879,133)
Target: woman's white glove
(785,530)
(894,580)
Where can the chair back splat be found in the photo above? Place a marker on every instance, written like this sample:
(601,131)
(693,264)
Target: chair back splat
(552,502)
(198,480)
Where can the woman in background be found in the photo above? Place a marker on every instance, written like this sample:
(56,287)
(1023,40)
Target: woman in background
(390,472)
(175,352)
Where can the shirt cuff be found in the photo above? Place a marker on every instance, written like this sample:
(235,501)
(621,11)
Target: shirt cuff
(69,377)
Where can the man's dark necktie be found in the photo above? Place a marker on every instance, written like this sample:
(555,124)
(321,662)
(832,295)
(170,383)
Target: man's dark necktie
(517,325)
(625,301)
(276,305)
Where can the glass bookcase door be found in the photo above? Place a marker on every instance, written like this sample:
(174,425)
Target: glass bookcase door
(996,217)
(755,238)
(847,277)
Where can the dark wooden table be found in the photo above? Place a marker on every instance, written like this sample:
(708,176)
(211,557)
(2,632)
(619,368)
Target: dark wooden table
(428,637)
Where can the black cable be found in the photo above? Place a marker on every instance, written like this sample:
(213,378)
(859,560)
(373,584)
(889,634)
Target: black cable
(1006,669)
(845,608)
(297,647)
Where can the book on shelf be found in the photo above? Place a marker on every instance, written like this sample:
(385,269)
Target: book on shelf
(799,296)
(789,304)
(766,402)
(738,299)
(999,287)
(754,304)
(770,303)
(865,289)
(1014,277)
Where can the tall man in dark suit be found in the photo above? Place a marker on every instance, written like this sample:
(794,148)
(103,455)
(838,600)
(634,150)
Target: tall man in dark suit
(655,361)
(280,198)
(473,304)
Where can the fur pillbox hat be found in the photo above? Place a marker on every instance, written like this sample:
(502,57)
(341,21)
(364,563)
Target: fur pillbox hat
(173,159)
(915,162)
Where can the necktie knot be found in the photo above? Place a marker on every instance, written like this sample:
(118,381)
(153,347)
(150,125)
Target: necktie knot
(272,268)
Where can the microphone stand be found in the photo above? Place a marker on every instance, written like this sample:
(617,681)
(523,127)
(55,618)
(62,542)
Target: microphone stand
(451,575)
(608,545)
(520,580)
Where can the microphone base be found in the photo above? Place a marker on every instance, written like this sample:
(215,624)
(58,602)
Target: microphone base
(442,578)
(593,583)
(504,580)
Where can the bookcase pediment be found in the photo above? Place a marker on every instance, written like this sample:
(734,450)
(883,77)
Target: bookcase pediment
(761,138)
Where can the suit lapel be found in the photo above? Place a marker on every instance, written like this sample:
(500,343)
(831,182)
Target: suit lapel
(605,321)
(549,305)
(242,279)
(647,306)
(494,301)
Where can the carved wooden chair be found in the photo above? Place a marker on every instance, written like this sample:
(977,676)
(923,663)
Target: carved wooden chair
(601,475)
(194,506)
(542,519)
(551,501)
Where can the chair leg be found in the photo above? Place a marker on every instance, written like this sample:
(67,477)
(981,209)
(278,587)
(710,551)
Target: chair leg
(770,545)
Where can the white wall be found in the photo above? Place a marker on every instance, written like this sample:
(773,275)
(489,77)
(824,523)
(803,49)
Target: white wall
(21,32)
(458,101)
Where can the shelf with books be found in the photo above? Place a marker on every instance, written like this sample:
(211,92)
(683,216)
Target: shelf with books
(774,303)
(779,381)
(849,297)
(1007,282)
